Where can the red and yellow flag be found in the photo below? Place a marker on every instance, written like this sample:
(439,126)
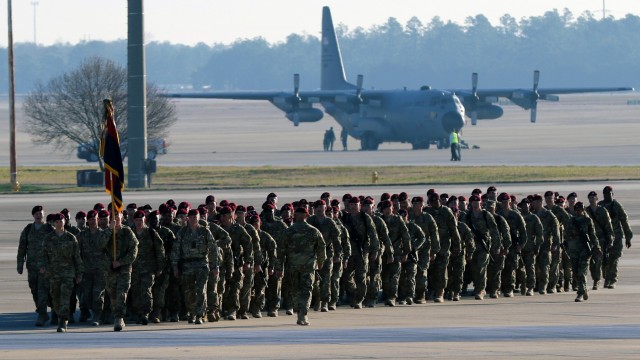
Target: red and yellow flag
(112,158)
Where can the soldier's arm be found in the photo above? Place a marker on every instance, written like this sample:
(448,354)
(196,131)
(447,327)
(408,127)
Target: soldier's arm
(372,242)
(22,250)
(213,251)
(538,234)
(591,231)
(624,221)
(493,232)
(77,260)
(320,248)
(381,237)
(334,237)
(555,230)
(454,245)
(175,252)
(271,250)
(346,243)
(418,238)
(158,246)
(282,256)
(522,231)
(405,238)
(132,244)
(506,234)
(247,245)
(467,240)
(434,235)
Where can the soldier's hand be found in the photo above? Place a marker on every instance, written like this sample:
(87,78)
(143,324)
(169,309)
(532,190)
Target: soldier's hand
(116,264)
(554,248)
(597,252)
(215,271)
(246,267)
(432,257)
(20,269)
(158,273)
(404,258)
(43,270)
(344,264)
(518,249)
(270,272)
(320,264)
(257,269)
(78,280)
(373,256)
(336,259)
(389,258)
(279,273)
(628,243)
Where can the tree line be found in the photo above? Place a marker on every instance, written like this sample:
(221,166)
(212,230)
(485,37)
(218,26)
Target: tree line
(568,50)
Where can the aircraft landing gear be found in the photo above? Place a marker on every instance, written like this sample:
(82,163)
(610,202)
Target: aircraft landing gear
(424,145)
(369,142)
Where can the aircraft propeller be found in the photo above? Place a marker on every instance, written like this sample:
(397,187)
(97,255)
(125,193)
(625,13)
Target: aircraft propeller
(296,90)
(474,98)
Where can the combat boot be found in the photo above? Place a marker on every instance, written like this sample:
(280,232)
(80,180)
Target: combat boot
(191,319)
(523,289)
(198,320)
(596,284)
(456,297)
(551,290)
(585,296)
(244,316)
(391,302)
(42,319)
(144,320)
(84,315)
(232,315)
(493,295)
(54,318)
(273,313)
(579,298)
(409,301)
(155,316)
(332,306)
(480,295)
(256,314)
(317,306)
(289,311)
(439,296)
(612,285)
(419,301)
(95,319)
(529,292)
(567,287)
(324,307)
(174,317)
(508,294)
(118,324)
(62,325)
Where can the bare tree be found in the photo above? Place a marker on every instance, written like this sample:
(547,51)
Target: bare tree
(67,111)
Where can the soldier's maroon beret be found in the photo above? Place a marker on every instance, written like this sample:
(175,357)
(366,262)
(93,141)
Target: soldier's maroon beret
(335,209)
(57,216)
(302,210)
(513,198)
(202,210)
(225,210)
(224,203)
(417,199)
(139,214)
(319,203)
(303,202)
(193,212)
(354,200)
(504,197)
(286,207)
(403,196)
(474,198)
(171,202)
(592,193)
(394,197)
(385,196)
(233,206)
(607,189)
(254,219)
(182,212)
(476,191)
(335,202)
(386,204)
(368,201)
(184,205)
(430,191)
(81,214)
(103,213)
(325,195)
(491,188)
(241,208)
(36,209)
(154,213)
(462,198)
(98,206)
(346,197)
(523,202)
(536,197)
(267,205)
(272,195)
(92,214)
(560,200)
(210,199)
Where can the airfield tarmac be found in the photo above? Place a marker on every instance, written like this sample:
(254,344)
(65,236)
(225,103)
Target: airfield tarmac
(550,326)
(591,129)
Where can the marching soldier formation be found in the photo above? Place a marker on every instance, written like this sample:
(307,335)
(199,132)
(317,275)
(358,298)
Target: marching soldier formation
(227,261)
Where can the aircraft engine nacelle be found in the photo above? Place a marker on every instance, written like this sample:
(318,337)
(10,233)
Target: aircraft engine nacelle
(304,115)
(489,112)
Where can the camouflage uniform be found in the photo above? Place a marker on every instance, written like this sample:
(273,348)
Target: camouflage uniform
(94,279)
(457,261)
(242,249)
(580,231)
(449,240)
(384,252)
(60,257)
(560,268)
(551,232)
(331,235)
(486,240)
(364,239)
(535,236)
(161,283)
(430,247)
(496,263)
(196,253)
(620,224)
(29,249)
(119,280)
(216,283)
(150,261)
(407,287)
(275,228)
(338,261)
(174,295)
(268,249)
(401,244)
(302,248)
(247,280)
(604,232)
(518,235)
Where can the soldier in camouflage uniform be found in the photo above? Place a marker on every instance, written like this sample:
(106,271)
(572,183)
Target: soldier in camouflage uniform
(173,295)
(119,266)
(518,234)
(427,252)
(194,255)
(94,279)
(486,240)
(247,281)
(303,250)
(149,264)
(401,245)
(550,244)
(449,241)
(457,261)
(29,250)
(216,282)
(62,265)
(496,263)
(604,231)
(161,283)
(242,248)
(384,254)
(268,249)
(560,267)
(274,227)
(340,260)
(364,246)
(535,237)
(582,243)
(407,286)
(331,235)
(620,224)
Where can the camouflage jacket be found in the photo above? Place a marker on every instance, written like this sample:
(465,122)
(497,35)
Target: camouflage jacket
(269,250)
(505,232)
(92,250)
(362,233)
(619,219)
(168,239)
(345,243)
(194,246)
(535,234)
(151,256)
(484,229)
(225,252)
(61,256)
(430,229)
(255,243)
(551,228)
(302,247)
(578,232)
(330,233)
(447,227)
(126,246)
(30,245)
(602,223)
(275,228)
(382,231)
(517,227)
(417,236)
(241,244)
(466,238)
(399,235)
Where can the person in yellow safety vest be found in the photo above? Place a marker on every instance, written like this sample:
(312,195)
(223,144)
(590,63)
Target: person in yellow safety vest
(454,140)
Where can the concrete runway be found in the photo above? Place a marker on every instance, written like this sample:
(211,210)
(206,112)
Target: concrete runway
(551,326)
(598,129)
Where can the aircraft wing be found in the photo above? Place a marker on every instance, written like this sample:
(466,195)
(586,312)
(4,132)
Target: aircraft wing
(313,96)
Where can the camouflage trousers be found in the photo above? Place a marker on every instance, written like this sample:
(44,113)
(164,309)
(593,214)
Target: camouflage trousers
(245,291)
(231,298)
(374,276)
(479,264)
(615,253)
(213,292)
(194,282)
(173,295)
(421,274)
(159,291)
(580,266)
(61,289)
(118,284)
(554,269)
(322,283)
(94,283)
(336,274)
(258,296)
(455,271)
(301,287)
(407,285)
(273,293)
(508,276)
(494,271)
(526,272)
(542,269)
(357,280)
(39,286)
(390,279)
(437,273)
(286,292)
(566,276)
(141,291)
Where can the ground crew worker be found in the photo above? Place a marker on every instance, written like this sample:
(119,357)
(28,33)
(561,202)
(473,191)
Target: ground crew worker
(620,224)
(455,145)
(303,251)
(582,243)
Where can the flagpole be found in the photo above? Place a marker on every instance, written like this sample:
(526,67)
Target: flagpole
(113,217)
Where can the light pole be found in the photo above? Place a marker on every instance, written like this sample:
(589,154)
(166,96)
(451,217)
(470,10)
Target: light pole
(12,111)
(35,4)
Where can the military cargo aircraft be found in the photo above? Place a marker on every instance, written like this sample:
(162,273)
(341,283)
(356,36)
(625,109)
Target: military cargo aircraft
(419,117)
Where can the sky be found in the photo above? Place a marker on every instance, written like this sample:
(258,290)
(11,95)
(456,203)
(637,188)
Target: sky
(213,21)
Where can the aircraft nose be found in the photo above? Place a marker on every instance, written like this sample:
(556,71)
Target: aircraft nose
(452,120)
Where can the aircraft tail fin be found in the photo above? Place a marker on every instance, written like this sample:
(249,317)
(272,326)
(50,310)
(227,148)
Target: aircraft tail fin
(331,68)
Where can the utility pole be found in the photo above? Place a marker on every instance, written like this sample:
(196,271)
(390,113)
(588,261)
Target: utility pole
(604,9)
(12,110)
(35,4)
(136,96)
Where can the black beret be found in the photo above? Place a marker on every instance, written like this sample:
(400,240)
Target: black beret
(548,193)
(607,189)
(36,209)
(132,206)
(592,193)
(573,194)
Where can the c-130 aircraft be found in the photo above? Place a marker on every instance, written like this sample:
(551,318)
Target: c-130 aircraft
(419,117)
